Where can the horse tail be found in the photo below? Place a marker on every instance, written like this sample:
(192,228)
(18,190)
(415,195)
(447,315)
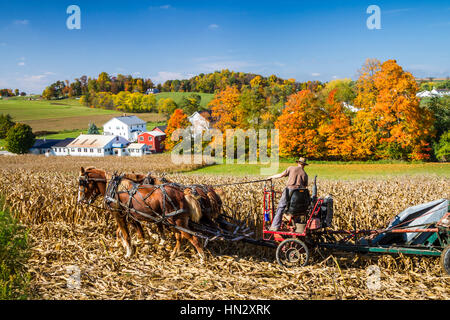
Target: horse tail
(216,204)
(193,204)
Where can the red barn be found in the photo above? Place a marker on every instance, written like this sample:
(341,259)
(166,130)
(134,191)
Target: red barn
(154,139)
(160,129)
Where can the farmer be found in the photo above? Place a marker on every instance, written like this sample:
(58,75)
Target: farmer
(297,179)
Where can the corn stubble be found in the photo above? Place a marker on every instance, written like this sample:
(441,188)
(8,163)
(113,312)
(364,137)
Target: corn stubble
(42,192)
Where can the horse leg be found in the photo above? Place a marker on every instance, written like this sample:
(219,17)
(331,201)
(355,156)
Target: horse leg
(138,227)
(161,234)
(125,235)
(192,239)
(177,245)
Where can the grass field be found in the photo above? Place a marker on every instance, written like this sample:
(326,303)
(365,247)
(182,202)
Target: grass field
(62,115)
(337,171)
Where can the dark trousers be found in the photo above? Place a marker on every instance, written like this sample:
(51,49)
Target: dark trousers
(276,223)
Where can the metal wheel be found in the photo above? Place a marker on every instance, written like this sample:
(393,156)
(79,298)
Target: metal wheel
(445,259)
(292,253)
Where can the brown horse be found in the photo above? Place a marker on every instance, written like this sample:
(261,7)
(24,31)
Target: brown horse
(149,199)
(210,202)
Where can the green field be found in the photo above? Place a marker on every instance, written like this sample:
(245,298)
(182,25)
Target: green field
(340,171)
(22,110)
(63,116)
(178,97)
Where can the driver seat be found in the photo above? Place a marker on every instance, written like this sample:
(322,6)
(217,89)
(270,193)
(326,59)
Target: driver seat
(298,202)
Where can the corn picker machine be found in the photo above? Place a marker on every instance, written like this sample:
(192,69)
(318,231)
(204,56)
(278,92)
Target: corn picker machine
(419,230)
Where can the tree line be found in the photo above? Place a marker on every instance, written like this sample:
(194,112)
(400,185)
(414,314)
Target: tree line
(87,86)
(10,93)
(376,117)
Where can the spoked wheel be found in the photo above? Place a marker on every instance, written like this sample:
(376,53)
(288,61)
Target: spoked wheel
(445,259)
(292,253)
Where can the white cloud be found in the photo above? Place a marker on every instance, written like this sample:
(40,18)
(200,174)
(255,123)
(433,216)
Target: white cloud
(21,22)
(21,64)
(213,26)
(163,7)
(315,74)
(235,65)
(163,76)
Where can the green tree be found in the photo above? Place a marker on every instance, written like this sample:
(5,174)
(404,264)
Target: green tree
(440,107)
(93,129)
(6,123)
(166,107)
(442,149)
(20,138)
(191,103)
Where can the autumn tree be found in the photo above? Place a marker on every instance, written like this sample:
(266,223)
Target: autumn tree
(178,120)
(364,125)
(226,109)
(403,126)
(298,126)
(336,129)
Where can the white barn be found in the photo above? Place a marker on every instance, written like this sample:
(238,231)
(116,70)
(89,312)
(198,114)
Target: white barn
(128,127)
(138,149)
(96,145)
(61,149)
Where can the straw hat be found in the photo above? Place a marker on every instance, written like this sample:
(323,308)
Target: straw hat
(302,161)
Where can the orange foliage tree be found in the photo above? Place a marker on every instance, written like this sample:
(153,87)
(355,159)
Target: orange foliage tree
(404,127)
(390,123)
(226,109)
(336,130)
(364,124)
(178,120)
(298,126)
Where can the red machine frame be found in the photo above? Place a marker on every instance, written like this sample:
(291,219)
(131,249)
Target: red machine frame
(269,211)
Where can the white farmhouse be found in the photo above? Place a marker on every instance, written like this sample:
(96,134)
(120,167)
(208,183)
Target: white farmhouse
(96,145)
(128,127)
(201,121)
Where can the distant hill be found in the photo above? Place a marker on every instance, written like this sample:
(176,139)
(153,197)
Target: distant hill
(178,97)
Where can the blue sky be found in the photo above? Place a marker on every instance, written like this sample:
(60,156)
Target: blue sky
(305,40)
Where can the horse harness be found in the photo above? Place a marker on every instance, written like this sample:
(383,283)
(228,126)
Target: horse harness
(112,197)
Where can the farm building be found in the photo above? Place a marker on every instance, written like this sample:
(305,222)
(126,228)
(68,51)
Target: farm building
(128,127)
(154,140)
(43,146)
(160,129)
(61,149)
(138,149)
(201,121)
(152,91)
(433,93)
(95,145)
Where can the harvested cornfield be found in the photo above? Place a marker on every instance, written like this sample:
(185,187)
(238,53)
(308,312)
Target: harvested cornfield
(70,242)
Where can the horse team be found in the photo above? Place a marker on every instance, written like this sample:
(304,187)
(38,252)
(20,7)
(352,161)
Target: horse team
(139,197)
